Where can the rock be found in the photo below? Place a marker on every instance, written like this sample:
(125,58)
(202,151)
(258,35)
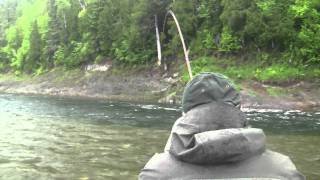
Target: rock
(171,80)
(169,99)
(164,75)
(161,91)
(98,68)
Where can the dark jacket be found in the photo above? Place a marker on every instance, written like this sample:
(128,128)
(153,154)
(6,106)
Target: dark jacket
(212,141)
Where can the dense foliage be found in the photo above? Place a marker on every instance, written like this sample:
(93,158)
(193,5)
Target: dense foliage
(37,35)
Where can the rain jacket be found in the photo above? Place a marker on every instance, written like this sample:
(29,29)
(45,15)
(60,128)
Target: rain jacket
(211,140)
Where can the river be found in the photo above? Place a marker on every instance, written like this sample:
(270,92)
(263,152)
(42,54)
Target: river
(44,137)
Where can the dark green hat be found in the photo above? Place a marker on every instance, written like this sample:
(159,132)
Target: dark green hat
(209,87)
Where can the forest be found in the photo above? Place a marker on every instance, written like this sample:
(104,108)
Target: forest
(263,37)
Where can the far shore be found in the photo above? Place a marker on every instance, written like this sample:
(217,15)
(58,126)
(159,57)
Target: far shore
(151,86)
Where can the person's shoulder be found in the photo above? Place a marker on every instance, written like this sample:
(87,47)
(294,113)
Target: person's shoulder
(279,159)
(165,166)
(269,164)
(158,167)
(283,164)
(157,159)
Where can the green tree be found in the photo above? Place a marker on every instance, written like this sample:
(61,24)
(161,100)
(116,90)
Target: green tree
(78,32)
(52,37)
(209,26)
(307,22)
(32,61)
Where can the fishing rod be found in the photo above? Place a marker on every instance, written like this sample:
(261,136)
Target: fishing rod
(186,52)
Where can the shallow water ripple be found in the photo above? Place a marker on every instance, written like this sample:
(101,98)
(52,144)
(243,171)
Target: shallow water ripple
(71,138)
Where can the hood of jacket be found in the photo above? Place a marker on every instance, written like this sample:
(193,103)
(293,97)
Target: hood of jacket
(213,128)
(209,87)
(214,133)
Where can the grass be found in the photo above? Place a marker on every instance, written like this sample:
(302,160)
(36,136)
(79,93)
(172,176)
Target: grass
(276,91)
(275,73)
(14,77)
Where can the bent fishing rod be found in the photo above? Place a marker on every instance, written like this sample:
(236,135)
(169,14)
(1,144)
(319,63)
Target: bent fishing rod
(186,52)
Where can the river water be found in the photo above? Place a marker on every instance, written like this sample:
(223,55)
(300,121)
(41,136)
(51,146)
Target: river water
(72,138)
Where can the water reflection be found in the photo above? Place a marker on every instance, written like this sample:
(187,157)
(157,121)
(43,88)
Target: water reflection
(70,138)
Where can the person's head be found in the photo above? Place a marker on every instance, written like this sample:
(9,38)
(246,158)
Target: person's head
(211,97)
(209,87)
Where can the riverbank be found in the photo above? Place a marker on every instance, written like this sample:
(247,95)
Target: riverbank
(151,85)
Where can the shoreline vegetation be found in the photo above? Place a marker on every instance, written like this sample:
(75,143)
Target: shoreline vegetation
(153,85)
(269,48)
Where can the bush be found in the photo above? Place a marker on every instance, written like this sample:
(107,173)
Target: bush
(99,59)
(279,72)
(229,42)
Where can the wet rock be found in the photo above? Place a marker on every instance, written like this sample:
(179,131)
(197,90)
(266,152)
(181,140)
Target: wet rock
(175,75)
(161,91)
(98,68)
(170,99)
(171,80)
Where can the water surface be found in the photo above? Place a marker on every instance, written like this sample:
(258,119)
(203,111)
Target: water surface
(72,138)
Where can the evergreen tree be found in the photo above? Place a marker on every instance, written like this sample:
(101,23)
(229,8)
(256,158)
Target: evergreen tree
(52,36)
(33,59)
(77,32)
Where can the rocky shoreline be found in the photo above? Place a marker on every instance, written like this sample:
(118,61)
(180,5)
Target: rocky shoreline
(151,86)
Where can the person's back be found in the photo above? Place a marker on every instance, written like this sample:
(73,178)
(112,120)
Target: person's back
(211,140)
